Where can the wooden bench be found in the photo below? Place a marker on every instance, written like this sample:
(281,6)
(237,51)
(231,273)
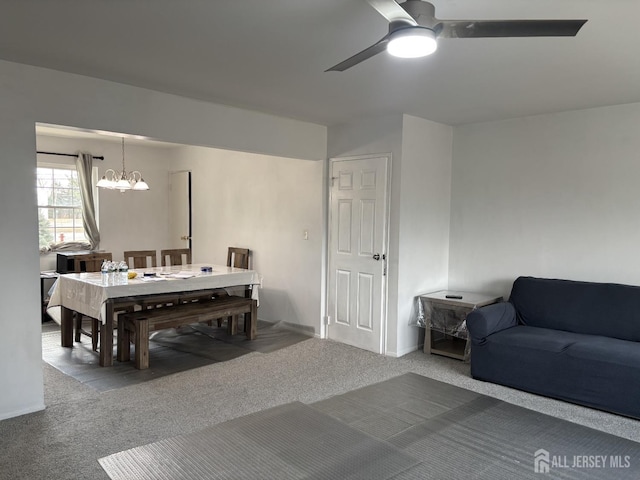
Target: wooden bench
(142,322)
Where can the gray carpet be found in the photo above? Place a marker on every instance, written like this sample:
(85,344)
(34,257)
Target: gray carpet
(170,351)
(405,428)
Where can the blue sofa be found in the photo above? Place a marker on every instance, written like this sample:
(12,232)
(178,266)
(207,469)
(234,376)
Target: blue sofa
(574,341)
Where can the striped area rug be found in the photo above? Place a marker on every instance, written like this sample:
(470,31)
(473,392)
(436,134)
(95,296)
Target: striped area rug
(407,428)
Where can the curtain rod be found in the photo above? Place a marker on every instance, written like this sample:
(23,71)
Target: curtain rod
(66,155)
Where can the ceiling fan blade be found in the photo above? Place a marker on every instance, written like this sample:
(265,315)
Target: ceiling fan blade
(374,49)
(392,11)
(508,28)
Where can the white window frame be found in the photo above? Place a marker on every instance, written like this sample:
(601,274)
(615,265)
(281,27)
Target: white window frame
(69,164)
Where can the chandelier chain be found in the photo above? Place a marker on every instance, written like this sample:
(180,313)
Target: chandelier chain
(123,157)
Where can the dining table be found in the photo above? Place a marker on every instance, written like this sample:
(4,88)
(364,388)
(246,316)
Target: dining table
(98,295)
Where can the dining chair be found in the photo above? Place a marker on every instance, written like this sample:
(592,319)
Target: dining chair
(141,258)
(238,258)
(175,256)
(90,262)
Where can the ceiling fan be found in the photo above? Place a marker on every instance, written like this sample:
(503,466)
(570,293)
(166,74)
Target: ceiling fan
(414,30)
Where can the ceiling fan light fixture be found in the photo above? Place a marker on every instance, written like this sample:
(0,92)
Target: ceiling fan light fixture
(412,42)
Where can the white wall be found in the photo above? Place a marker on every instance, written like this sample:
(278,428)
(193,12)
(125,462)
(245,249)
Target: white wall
(263,203)
(127,221)
(20,341)
(29,95)
(425,194)
(550,195)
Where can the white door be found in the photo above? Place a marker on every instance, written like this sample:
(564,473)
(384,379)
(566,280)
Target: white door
(357,251)
(179,210)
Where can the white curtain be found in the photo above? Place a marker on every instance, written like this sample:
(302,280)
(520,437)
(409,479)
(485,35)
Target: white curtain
(84,166)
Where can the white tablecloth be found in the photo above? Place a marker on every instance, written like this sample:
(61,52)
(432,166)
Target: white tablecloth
(87,292)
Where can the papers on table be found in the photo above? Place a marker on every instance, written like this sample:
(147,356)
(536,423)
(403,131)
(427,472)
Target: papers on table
(182,275)
(151,279)
(165,275)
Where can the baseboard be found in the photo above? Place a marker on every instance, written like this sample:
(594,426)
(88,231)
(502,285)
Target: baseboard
(402,352)
(22,411)
(295,327)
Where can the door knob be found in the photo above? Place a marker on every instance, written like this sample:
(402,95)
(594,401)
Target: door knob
(185,237)
(376,257)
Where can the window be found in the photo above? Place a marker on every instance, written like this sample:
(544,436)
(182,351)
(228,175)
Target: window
(59,205)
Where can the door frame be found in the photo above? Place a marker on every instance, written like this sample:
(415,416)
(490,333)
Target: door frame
(326,251)
(189,201)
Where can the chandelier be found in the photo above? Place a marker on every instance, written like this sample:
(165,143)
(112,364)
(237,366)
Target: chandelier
(122,180)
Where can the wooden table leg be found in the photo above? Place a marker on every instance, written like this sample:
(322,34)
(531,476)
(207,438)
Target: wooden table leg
(248,291)
(124,342)
(252,328)
(66,327)
(106,337)
(142,343)
(232,324)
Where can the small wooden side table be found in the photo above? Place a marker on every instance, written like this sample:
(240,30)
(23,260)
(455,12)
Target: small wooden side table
(445,317)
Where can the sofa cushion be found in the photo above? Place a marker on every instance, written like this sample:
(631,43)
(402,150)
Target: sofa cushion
(606,309)
(543,339)
(609,351)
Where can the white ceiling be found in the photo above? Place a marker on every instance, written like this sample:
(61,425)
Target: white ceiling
(270,55)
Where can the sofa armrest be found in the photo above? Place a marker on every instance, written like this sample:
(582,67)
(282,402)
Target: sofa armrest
(484,321)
